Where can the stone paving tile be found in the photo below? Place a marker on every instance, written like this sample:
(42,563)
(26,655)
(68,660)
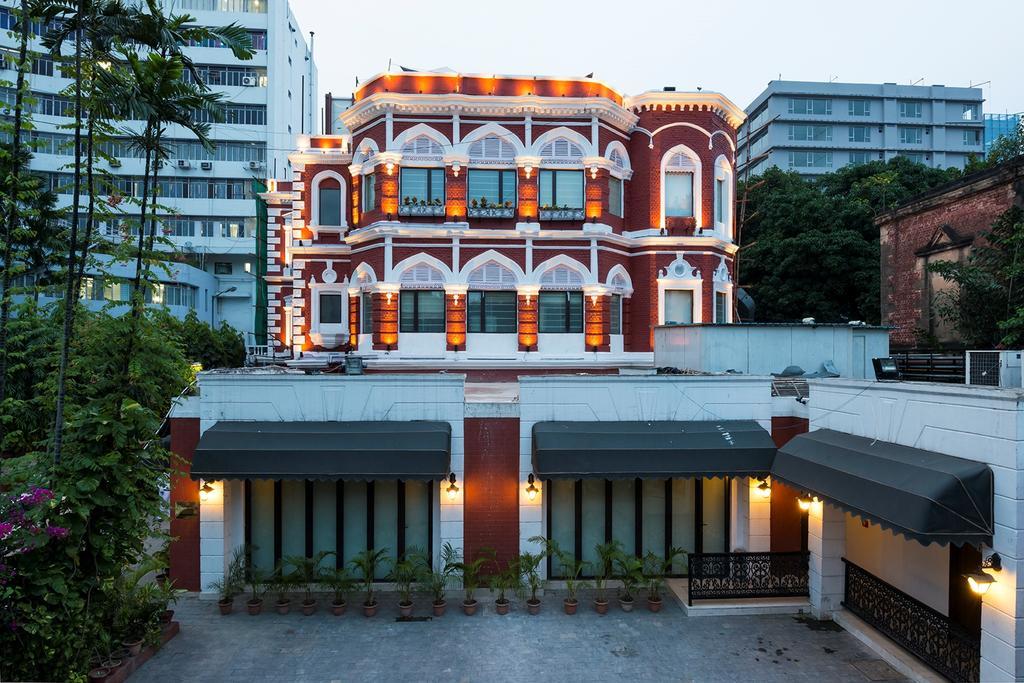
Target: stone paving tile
(487,647)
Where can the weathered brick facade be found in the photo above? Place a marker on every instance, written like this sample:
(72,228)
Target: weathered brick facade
(939,225)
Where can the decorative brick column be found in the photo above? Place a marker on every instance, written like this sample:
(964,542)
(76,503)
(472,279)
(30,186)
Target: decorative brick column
(385,318)
(596,320)
(184,495)
(455,316)
(528,315)
(455,189)
(354,303)
(826,540)
(528,191)
(389,185)
(595,193)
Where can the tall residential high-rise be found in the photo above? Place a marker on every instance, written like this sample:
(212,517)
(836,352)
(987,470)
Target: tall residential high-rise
(997,125)
(815,128)
(268,100)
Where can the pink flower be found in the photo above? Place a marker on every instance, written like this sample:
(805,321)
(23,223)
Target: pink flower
(5,529)
(56,531)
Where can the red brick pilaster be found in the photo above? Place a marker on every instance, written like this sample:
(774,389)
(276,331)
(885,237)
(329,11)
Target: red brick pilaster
(455,319)
(528,321)
(492,486)
(184,549)
(596,322)
(354,303)
(385,321)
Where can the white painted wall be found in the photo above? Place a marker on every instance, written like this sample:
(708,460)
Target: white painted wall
(293,397)
(764,349)
(976,423)
(622,398)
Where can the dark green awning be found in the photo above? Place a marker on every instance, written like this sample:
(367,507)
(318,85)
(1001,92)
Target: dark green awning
(927,496)
(323,450)
(653,450)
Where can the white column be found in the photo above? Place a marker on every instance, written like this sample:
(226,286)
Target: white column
(1002,607)
(214,553)
(739,527)
(760,518)
(826,540)
(451,510)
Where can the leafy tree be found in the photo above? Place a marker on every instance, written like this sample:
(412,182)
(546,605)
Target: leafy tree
(1003,148)
(986,304)
(809,247)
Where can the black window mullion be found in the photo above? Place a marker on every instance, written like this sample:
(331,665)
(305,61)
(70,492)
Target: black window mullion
(547,497)
(668,516)
(568,307)
(430,523)
(247,521)
(608,495)
(698,515)
(638,499)
(277,522)
(339,524)
(728,504)
(309,517)
(369,515)
(400,518)
(578,504)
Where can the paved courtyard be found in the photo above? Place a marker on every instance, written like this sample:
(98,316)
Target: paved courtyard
(552,646)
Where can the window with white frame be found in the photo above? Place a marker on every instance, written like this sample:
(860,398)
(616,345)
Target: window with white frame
(422,186)
(560,312)
(329,198)
(492,274)
(615,196)
(810,159)
(492,188)
(491,312)
(615,314)
(719,200)
(969,112)
(721,307)
(860,108)
(860,133)
(679,172)
(369,199)
(366,313)
(421,275)
(810,106)
(972,138)
(562,149)
(421,311)
(860,157)
(561,189)
(617,159)
(911,109)
(561,276)
(678,306)
(911,135)
(422,147)
(330,308)
(808,133)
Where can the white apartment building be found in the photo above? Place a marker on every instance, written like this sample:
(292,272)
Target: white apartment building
(267,101)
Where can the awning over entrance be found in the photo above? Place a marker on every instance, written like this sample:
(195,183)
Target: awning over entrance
(923,495)
(653,450)
(323,450)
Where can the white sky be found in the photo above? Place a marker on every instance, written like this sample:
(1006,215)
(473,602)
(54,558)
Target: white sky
(635,45)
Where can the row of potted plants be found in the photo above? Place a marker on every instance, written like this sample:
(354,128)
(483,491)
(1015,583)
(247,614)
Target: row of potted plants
(519,576)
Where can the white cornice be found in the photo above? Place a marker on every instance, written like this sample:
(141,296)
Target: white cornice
(717,102)
(377,104)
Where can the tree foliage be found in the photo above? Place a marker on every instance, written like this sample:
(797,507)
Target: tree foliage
(810,246)
(1003,148)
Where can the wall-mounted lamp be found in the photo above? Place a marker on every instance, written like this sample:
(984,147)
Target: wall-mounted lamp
(453,489)
(593,172)
(456,167)
(531,489)
(204,491)
(764,489)
(389,297)
(529,171)
(979,582)
(805,502)
(389,167)
(455,298)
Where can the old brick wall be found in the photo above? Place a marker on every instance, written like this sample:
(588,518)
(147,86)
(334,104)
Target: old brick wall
(184,550)
(492,483)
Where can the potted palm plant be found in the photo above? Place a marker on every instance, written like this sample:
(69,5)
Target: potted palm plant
(469,572)
(366,563)
(405,573)
(602,567)
(257,581)
(439,580)
(629,571)
(340,582)
(572,569)
(306,573)
(529,568)
(506,581)
(655,569)
(280,583)
(232,583)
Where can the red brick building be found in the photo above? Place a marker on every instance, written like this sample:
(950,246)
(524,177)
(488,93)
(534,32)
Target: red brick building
(504,220)
(939,225)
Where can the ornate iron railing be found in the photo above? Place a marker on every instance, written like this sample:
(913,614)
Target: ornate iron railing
(924,632)
(420,210)
(491,212)
(720,576)
(561,214)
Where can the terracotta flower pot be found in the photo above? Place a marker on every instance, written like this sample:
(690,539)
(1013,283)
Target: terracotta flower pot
(166,616)
(254,606)
(308,607)
(469,607)
(338,608)
(501,607)
(110,664)
(533,606)
(627,605)
(225,606)
(134,647)
(98,674)
(405,610)
(570,606)
(121,654)
(654,605)
(369,609)
(283,606)
(439,608)
(601,606)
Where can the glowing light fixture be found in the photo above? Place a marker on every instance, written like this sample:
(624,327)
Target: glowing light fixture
(531,489)
(764,489)
(804,502)
(593,172)
(204,491)
(390,167)
(529,170)
(980,582)
(456,167)
(453,489)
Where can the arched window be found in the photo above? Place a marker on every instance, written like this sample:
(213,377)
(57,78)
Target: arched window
(492,149)
(492,275)
(680,184)
(562,150)
(422,275)
(561,276)
(617,159)
(723,195)
(328,199)
(421,147)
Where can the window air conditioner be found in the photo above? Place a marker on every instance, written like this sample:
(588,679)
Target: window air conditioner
(115,163)
(206,165)
(249,81)
(183,164)
(255,165)
(994,369)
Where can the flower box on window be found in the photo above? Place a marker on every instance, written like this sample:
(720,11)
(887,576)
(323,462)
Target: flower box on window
(491,212)
(420,210)
(561,214)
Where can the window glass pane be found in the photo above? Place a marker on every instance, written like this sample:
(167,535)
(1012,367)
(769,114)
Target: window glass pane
(719,191)
(293,518)
(575,312)
(414,184)
(552,312)
(325,519)
(493,312)
(330,206)
(263,524)
(721,307)
(417,530)
(366,312)
(569,189)
(593,519)
(431,311)
(355,519)
(678,194)
(615,314)
(682,519)
(436,184)
(624,513)
(330,309)
(385,522)
(678,306)
(654,516)
(714,516)
(369,198)
(407,312)
(547,188)
(563,517)
(615,196)
(484,185)
(508,187)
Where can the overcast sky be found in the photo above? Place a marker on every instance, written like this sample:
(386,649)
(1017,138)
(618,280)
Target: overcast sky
(635,45)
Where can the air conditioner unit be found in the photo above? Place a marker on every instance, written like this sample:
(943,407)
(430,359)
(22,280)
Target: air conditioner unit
(183,164)
(994,369)
(206,165)
(115,163)
(249,81)
(255,165)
